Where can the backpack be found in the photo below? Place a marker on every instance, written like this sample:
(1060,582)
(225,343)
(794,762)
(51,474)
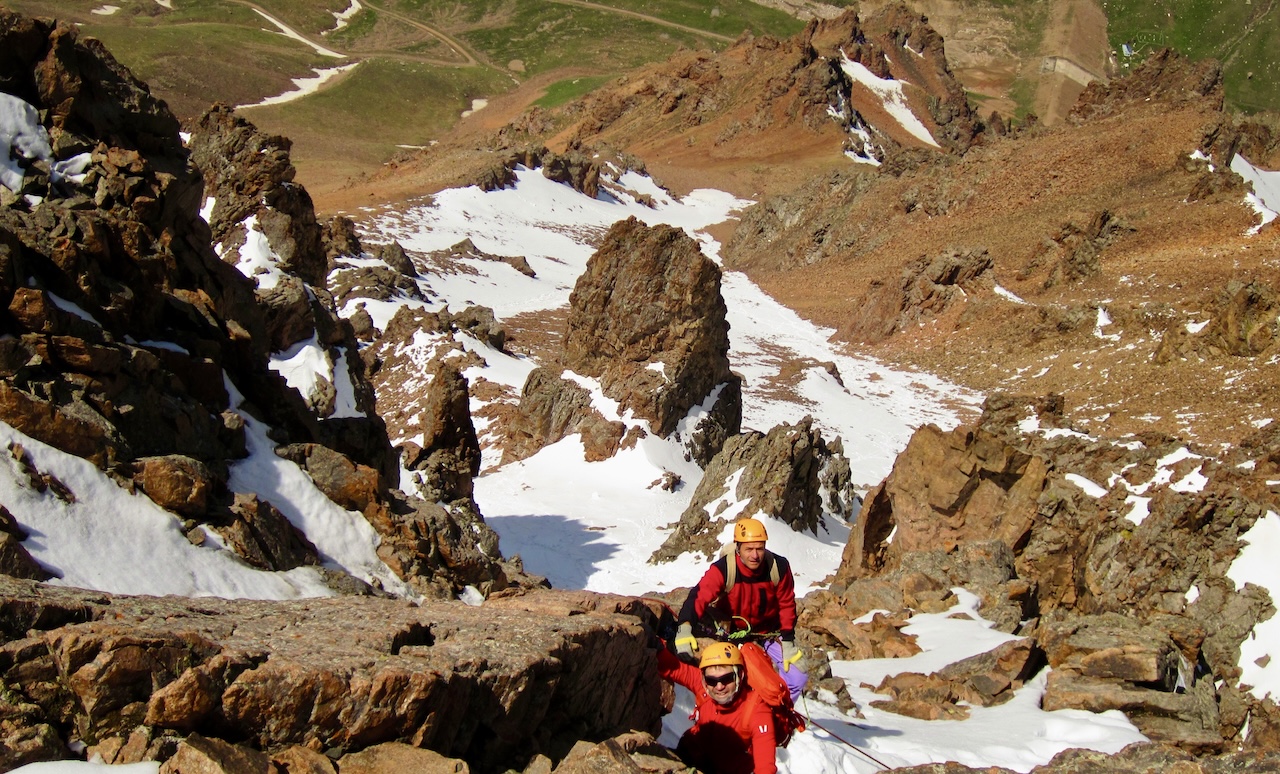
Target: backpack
(731,567)
(766,683)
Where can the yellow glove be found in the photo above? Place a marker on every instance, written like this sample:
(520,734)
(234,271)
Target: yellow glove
(792,656)
(686,643)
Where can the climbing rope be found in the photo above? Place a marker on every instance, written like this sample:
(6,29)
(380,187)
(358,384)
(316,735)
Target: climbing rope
(809,717)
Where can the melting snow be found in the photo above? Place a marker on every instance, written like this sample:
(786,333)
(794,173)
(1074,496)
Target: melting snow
(343,18)
(305,85)
(290,33)
(1089,488)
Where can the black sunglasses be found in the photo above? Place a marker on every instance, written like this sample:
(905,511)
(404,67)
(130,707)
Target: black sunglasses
(721,680)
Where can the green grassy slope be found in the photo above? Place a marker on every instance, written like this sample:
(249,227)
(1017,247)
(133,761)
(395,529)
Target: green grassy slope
(422,61)
(1242,34)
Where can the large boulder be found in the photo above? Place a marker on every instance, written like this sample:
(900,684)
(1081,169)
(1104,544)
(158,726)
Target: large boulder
(647,322)
(790,474)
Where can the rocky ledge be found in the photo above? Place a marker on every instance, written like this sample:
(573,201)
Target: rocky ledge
(141,678)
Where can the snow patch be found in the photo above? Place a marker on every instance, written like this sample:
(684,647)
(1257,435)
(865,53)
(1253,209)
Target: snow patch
(892,96)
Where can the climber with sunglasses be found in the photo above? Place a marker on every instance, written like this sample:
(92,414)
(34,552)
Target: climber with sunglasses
(732,729)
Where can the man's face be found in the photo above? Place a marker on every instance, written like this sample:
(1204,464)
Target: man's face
(752,554)
(721,682)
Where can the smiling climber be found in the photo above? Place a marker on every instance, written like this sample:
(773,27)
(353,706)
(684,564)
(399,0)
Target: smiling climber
(748,593)
(732,729)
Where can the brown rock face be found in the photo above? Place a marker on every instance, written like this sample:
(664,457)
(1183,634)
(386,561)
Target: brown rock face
(177,483)
(125,246)
(263,536)
(649,297)
(249,174)
(258,208)
(947,489)
(648,321)
(1166,76)
(1104,593)
(439,548)
(489,686)
(552,408)
(878,43)
(17,562)
(390,757)
(134,381)
(198,755)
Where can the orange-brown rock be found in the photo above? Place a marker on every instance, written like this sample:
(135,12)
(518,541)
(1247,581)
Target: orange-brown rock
(486,685)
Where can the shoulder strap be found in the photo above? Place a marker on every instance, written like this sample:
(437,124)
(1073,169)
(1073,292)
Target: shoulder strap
(730,558)
(745,724)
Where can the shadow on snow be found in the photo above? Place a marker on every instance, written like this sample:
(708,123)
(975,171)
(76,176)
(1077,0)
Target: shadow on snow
(565,551)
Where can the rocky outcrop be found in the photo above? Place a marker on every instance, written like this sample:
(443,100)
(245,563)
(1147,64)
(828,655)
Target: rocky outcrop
(552,408)
(1075,252)
(1134,759)
(647,323)
(898,44)
(763,93)
(1244,322)
(127,336)
(1165,76)
(449,457)
(1119,585)
(926,288)
(984,680)
(249,176)
(265,224)
(169,679)
(125,247)
(262,536)
(790,474)
(587,171)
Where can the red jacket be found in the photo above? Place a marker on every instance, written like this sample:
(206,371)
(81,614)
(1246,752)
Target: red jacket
(768,608)
(737,738)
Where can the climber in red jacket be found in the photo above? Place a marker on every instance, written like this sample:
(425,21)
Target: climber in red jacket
(754,590)
(732,729)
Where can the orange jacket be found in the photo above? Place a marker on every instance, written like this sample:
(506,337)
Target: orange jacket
(737,738)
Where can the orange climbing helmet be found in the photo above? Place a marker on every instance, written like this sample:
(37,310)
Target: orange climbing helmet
(749,531)
(720,654)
